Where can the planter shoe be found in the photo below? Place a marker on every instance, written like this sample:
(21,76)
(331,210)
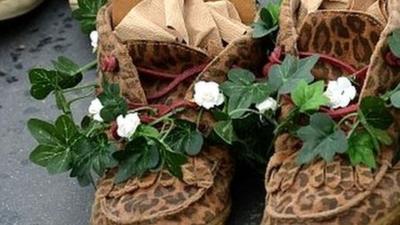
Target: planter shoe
(337,193)
(159,73)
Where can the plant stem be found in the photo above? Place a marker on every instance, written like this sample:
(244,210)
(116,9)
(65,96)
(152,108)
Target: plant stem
(198,119)
(353,128)
(86,67)
(255,112)
(166,116)
(79,98)
(142,109)
(287,120)
(346,118)
(171,126)
(79,88)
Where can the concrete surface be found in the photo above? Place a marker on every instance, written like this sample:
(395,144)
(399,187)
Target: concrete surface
(28,195)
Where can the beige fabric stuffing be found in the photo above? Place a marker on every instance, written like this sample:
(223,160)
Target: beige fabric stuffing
(194,22)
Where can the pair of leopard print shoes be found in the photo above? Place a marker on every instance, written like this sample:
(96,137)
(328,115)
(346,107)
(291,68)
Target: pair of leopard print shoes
(352,31)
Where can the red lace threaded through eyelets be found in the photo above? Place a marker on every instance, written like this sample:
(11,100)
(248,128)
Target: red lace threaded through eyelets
(163,109)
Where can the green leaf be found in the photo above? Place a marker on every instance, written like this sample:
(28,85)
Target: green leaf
(309,97)
(394,42)
(260,29)
(60,162)
(92,155)
(44,132)
(66,66)
(43,82)
(113,104)
(42,155)
(243,91)
(361,149)
(224,129)
(321,139)
(66,128)
(395,99)
(139,156)
(268,22)
(194,143)
(241,76)
(87,12)
(382,136)
(185,138)
(56,143)
(174,162)
(148,131)
(374,112)
(285,78)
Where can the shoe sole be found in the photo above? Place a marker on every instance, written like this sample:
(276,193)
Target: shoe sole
(22,12)
(223,217)
(392,218)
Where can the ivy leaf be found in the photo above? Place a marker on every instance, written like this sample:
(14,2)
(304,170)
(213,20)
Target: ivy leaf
(174,162)
(87,12)
(43,82)
(140,155)
(268,22)
(260,29)
(224,129)
(92,155)
(381,135)
(394,42)
(56,143)
(113,104)
(374,112)
(243,91)
(361,149)
(395,99)
(66,66)
(309,97)
(284,78)
(321,138)
(185,138)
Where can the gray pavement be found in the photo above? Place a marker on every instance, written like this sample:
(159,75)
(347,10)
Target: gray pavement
(28,195)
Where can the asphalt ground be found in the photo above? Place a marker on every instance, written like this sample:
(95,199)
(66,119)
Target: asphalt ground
(28,195)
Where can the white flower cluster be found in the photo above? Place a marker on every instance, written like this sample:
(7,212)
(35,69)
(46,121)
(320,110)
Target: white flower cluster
(126,125)
(208,94)
(94,38)
(340,92)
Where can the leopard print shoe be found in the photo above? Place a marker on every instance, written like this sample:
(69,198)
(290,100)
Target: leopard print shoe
(160,73)
(337,193)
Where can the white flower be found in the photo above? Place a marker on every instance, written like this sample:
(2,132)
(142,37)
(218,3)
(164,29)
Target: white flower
(94,37)
(267,104)
(95,108)
(340,92)
(127,125)
(207,94)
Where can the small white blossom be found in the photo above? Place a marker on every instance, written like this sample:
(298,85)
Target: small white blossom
(127,125)
(94,37)
(267,104)
(207,94)
(340,92)
(95,108)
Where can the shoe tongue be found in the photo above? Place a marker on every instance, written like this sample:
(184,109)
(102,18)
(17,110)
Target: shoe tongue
(350,37)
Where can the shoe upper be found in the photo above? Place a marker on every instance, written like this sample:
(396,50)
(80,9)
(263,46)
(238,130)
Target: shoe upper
(336,192)
(159,198)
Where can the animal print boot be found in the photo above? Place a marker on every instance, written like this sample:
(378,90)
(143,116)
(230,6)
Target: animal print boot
(159,74)
(352,38)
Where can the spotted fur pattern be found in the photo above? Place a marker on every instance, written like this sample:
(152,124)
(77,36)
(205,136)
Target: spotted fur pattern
(337,193)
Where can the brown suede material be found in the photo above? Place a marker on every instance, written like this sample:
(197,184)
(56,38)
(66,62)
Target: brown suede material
(202,196)
(336,193)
